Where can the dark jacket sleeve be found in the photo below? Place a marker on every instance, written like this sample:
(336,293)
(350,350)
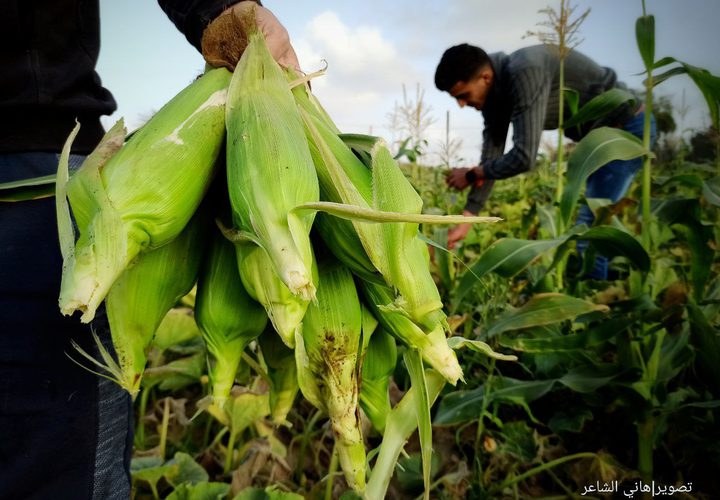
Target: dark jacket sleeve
(478,196)
(531,90)
(493,146)
(192,16)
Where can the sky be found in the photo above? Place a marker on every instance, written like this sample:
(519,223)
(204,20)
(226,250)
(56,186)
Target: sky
(375,48)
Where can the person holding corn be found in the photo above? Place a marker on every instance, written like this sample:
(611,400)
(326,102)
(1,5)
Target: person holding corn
(522,89)
(64,432)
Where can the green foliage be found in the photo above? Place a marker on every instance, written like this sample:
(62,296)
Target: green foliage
(600,106)
(645,36)
(596,149)
(566,382)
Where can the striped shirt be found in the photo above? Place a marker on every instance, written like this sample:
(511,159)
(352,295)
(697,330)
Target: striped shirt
(525,92)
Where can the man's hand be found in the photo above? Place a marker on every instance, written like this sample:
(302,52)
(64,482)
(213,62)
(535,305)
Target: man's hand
(225,39)
(459,232)
(458,177)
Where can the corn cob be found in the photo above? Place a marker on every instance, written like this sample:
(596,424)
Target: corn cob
(433,345)
(284,309)
(408,255)
(269,167)
(139,196)
(340,237)
(326,353)
(141,297)
(226,315)
(377,368)
(282,373)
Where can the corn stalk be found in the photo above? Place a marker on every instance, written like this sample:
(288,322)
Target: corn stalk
(562,35)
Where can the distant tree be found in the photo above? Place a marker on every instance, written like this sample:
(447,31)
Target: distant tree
(703,146)
(669,149)
(664,118)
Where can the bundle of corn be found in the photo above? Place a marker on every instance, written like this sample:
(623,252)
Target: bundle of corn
(285,162)
(389,254)
(173,156)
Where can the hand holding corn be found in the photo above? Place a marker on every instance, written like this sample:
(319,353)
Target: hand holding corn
(225,39)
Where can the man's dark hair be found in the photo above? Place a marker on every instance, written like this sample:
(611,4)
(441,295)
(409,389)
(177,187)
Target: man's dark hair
(459,64)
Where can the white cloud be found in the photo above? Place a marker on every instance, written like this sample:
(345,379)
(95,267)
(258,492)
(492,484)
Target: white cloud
(365,70)
(369,62)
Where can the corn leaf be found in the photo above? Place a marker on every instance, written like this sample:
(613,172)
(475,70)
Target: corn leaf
(707,340)
(542,309)
(600,105)
(479,346)
(570,343)
(645,37)
(711,191)
(595,150)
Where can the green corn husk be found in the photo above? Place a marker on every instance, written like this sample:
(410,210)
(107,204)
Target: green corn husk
(282,371)
(285,310)
(340,237)
(226,315)
(142,296)
(269,167)
(433,345)
(377,368)
(410,256)
(393,249)
(425,329)
(326,353)
(130,198)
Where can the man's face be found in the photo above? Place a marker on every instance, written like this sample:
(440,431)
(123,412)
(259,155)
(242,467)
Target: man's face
(474,92)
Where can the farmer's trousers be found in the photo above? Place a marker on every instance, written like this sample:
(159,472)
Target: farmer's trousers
(65,433)
(611,182)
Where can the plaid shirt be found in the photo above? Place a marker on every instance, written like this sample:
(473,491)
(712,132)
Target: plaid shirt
(525,92)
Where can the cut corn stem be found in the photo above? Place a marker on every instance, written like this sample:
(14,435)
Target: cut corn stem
(363,214)
(400,424)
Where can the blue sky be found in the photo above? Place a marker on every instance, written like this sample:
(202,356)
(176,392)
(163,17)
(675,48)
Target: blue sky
(374,47)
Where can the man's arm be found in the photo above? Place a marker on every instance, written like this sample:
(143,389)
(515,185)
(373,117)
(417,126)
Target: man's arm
(191,17)
(530,90)
(216,29)
(493,147)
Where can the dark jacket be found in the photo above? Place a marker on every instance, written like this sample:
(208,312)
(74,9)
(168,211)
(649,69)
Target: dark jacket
(525,93)
(48,53)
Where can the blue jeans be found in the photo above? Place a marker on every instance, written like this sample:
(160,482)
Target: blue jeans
(611,182)
(65,433)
